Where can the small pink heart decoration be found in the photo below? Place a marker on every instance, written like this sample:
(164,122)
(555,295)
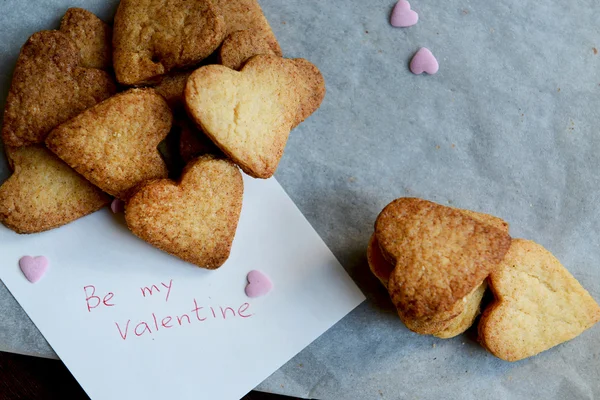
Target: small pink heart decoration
(403,16)
(424,61)
(117,206)
(258,284)
(33,268)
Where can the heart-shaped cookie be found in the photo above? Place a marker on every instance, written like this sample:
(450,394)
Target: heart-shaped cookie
(194,219)
(152,37)
(440,253)
(91,35)
(249,114)
(49,87)
(44,192)
(33,268)
(114,144)
(453,321)
(538,304)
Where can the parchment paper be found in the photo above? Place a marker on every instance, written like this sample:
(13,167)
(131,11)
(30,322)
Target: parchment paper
(508,126)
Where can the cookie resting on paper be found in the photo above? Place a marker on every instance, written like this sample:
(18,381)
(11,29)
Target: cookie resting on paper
(538,304)
(44,193)
(441,256)
(194,219)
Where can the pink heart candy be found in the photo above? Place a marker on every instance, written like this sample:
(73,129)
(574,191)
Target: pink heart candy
(33,267)
(258,284)
(424,61)
(403,16)
(117,206)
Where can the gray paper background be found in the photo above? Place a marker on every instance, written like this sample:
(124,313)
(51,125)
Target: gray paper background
(508,126)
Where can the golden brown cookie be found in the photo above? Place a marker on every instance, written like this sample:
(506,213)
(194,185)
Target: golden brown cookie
(153,37)
(114,144)
(246,14)
(49,87)
(538,304)
(91,35)
(441,255)
(248,114)
(240,46)
(44,193)
(194,219)
(452,322)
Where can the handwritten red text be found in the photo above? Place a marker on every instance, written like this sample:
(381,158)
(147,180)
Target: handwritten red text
(200,313)
(150,290)
(94,301)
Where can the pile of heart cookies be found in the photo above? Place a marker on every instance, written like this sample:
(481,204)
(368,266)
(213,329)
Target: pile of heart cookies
(437,262)
(90,106)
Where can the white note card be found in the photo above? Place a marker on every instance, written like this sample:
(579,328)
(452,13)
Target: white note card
(132,322)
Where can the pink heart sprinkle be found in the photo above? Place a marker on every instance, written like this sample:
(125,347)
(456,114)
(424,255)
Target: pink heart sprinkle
(424,61)
(117,206)
(258,284)
(33,267)
(403,16)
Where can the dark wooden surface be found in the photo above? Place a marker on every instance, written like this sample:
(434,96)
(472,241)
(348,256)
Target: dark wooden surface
(30,378)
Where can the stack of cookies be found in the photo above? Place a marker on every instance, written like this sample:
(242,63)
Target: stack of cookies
(90,105)
(436,263)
